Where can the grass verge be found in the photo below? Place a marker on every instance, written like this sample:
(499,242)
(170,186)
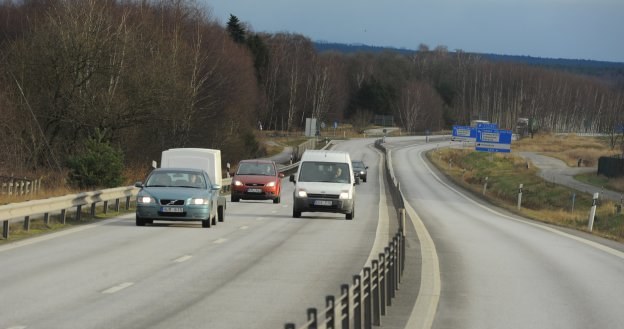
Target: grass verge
(542,201)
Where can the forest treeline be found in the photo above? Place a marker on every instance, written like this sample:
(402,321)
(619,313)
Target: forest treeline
(144,76)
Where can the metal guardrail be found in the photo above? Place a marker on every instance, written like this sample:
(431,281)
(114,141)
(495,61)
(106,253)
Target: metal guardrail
(362,304)
(23,211)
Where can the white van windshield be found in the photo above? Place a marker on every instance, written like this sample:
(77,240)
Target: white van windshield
(328,172)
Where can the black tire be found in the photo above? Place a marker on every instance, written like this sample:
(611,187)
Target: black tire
(214,220)
(276,200)
(234,199)
(206,223)
(349,216)
(296,214)
(364,180)
(140,221)
(221,213)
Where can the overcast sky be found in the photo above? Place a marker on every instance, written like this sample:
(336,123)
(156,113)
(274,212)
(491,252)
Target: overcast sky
(575,29)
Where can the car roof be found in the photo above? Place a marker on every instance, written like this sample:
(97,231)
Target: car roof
(195,170)
(258,161)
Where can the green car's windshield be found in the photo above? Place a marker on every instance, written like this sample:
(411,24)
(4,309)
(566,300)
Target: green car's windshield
(176,179)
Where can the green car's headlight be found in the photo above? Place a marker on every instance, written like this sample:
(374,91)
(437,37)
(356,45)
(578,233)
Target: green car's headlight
(145,200)
(198,201)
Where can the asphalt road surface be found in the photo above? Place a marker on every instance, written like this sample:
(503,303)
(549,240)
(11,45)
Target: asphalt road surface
(496,270)
(261,268)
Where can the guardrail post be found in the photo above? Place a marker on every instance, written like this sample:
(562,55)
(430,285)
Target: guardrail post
(330,312)
(382,283)
(375,292)
(357,302)
(26,223)
(63,216)
(46,218)
(78,213)
(127,203)
(345,308)
(92,212)
(105,206)
(312,318)
(117,203)
(368,321)
(5,229)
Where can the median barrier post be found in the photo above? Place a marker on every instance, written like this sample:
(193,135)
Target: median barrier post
(382,282)
(78,213)
(117,203)
(330,312)
(368,321)
(63,216)
(375,292)
(345,310)
(105,206)
(389,277)
(127,203)
(357,302)
(312,318)
(46,218)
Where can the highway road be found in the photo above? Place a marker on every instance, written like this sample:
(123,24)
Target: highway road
(260,268)
(496,270)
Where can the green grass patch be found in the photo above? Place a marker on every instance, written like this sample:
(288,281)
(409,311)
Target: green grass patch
(541,200)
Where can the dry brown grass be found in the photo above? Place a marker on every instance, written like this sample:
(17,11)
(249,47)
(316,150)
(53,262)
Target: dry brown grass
(568,148)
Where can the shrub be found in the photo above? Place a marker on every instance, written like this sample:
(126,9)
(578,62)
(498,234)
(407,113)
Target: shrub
(98,165)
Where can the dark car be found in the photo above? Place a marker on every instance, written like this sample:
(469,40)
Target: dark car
(257,180)
(359,169)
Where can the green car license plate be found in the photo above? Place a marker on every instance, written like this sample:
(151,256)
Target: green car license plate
(172,209)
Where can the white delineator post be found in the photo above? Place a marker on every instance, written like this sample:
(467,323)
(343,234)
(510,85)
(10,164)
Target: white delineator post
(592,212)
(520,195)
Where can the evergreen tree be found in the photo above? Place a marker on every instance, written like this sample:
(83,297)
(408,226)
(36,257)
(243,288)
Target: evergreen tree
(235,29)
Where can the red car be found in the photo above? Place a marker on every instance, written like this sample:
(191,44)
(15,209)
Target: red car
(257,180)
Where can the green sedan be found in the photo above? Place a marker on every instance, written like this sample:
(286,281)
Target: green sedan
(179,194)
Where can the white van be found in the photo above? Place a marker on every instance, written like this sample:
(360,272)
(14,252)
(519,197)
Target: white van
(324,183)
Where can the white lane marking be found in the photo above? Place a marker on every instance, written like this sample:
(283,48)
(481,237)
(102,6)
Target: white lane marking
(30,241)
(259,218)
(219,241)
(17,327)
(117,288)
(183,259)
(244,227)
(273,211)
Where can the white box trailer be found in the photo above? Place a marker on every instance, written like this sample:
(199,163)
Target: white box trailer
(196,158)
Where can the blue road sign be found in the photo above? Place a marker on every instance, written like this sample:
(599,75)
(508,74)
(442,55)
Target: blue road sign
(464,134)
(487,126)
(493,140)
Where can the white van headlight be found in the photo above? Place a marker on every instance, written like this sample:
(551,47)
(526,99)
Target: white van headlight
(344,195)
(302,194)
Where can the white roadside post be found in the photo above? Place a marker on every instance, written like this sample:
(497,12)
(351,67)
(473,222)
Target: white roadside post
(520,196)
(592,212)
(485,185)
